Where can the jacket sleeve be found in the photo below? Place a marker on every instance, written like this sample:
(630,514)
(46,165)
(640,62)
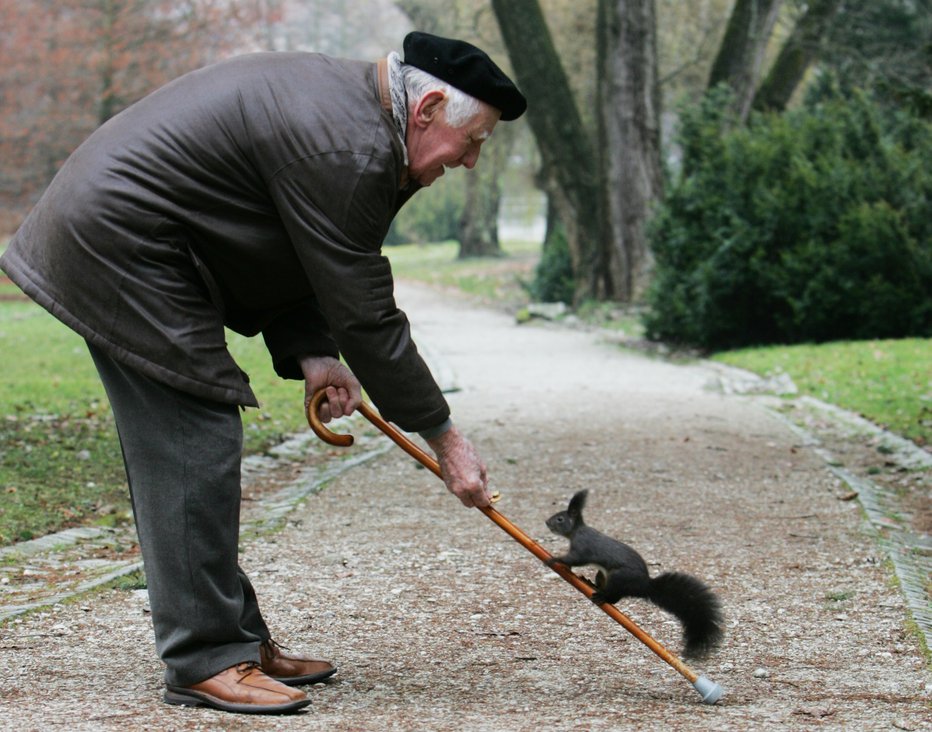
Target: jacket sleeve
(301,330)
(337,208)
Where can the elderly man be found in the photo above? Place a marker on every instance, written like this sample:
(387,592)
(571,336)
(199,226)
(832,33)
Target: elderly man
(252,194)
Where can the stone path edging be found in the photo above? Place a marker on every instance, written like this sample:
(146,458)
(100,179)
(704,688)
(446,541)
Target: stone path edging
(909,552)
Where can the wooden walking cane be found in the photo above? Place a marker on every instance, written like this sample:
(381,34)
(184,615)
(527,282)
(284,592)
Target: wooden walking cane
(708,690)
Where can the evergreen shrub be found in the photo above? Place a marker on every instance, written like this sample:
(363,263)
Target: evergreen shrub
(810,225)
(553,277)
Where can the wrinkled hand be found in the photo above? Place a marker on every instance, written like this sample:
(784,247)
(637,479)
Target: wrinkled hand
(344,393)
(463,470)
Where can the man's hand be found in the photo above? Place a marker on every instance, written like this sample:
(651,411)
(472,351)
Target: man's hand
(463,470)
(344,393)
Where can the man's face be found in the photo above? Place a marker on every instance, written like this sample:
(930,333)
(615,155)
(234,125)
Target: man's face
(433,145)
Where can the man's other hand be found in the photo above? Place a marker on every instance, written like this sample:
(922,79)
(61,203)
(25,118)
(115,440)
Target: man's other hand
(344,393)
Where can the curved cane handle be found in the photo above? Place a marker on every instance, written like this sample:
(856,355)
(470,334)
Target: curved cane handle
(332,438)
(313,419)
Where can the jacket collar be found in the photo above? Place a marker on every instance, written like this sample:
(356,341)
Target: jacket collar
(385,97)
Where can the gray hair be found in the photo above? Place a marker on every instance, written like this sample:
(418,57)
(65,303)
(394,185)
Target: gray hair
(460,107)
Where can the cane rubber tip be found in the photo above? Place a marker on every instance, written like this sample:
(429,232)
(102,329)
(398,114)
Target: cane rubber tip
(708,690)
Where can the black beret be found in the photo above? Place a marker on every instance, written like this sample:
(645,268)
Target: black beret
(466,67)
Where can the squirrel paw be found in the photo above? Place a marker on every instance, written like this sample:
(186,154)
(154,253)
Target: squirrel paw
(598,598)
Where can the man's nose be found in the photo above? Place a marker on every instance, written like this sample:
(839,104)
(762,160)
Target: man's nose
(470,159)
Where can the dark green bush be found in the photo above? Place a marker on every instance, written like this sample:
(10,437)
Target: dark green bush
(812,225)
(553,277)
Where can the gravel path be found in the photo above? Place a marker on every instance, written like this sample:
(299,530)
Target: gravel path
(439,621)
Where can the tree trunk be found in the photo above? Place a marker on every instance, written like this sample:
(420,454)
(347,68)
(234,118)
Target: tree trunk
(565,147)
(799,50)
(478,227)
(742,51)
(629,135)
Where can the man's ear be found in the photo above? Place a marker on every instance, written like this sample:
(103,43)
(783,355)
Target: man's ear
(429,107)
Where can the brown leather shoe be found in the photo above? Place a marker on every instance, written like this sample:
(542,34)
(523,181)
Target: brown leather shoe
(289,669)
(243,688)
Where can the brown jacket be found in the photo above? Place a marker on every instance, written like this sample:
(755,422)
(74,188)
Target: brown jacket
(253,194)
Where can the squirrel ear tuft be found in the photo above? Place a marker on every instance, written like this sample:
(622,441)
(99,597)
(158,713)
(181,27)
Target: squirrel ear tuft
(578,502)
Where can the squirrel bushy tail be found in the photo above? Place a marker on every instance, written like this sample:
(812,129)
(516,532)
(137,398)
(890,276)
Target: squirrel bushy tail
(694,605)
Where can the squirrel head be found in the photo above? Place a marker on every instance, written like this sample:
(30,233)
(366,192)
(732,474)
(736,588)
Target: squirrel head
(566,522)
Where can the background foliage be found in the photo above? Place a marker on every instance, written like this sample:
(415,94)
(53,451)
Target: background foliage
(433,216)
(806,226)
(553,276)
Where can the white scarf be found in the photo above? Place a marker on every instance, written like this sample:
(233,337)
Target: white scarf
(396,88)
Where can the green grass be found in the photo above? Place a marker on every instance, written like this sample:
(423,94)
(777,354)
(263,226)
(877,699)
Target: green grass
(281,410)
(887,381)
(60,459)
(7,288)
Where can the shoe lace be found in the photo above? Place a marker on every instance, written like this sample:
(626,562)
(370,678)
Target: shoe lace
(273,645)
(247,667)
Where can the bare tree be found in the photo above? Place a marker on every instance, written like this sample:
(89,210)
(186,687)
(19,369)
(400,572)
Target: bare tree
(570,171)
(741,53)
(883,45)
(797,53)
(602,198)
(688,35)
(68,65)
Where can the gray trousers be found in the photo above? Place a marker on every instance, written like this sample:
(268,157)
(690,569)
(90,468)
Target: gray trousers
(182,456)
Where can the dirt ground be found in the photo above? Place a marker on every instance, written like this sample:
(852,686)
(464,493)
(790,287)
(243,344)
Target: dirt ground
(439,621)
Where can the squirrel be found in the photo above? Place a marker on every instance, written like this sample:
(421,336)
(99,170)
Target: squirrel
(622,572)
